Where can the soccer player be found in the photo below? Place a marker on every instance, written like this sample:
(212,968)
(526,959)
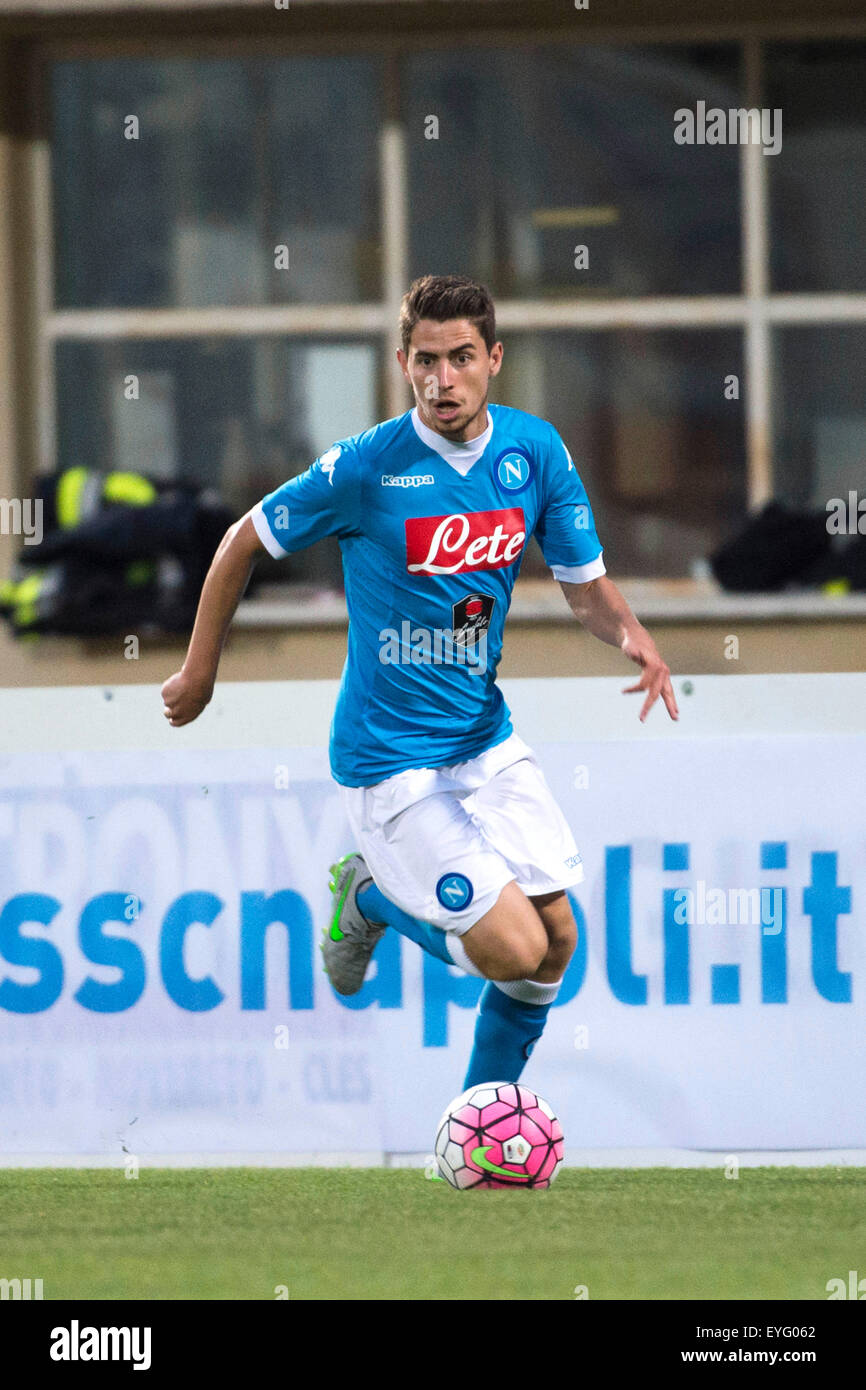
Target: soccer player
(460,845)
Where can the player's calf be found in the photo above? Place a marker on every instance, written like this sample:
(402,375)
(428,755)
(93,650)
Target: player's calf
(514,1007)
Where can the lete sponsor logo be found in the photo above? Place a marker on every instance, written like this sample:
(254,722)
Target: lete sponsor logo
(464,541)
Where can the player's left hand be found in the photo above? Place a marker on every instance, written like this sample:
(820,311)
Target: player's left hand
(655,674)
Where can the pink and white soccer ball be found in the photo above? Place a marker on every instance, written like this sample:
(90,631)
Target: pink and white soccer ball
(499,1134)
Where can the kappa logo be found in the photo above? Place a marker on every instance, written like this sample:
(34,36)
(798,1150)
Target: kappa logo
(464,542)
(407,479)
(328,462)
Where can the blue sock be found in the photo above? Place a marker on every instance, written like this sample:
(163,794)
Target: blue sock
(505,1032)
(377,908)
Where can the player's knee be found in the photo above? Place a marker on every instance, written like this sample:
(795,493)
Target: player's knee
(559,925)
(561,947)
(510,941)
(561,934)
(519,959)
(563,939)
(554,964)
(507,955)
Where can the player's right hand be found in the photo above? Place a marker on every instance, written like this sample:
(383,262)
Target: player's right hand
(184,699)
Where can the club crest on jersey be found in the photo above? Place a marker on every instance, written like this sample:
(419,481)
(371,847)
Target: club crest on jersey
(464,542)
(514,470)
(454,892)
(470,618)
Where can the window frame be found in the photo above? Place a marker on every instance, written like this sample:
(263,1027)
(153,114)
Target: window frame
(756,310)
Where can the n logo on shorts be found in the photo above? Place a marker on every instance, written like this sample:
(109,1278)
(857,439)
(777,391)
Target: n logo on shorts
(454,892)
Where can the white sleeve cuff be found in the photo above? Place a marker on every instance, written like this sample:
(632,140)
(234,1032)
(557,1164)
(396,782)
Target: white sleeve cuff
(265,534)
(579,574)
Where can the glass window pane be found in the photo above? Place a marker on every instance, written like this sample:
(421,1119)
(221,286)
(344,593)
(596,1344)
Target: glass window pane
(239,415)
(658,445)
(819,413)
(817,181)
(231,159)
(539,151)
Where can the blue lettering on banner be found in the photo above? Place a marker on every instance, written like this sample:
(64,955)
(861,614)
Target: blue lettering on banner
(109,939)
(774,949)
(33,952)
(628,987)
(444,986)
(190,909)
(112,950)
(258,914)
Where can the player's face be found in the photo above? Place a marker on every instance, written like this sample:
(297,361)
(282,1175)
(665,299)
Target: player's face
(449,369)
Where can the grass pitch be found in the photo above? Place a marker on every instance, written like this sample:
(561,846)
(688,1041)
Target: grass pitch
(241,1233)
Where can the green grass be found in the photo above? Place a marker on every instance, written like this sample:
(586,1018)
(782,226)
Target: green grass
(237,1233)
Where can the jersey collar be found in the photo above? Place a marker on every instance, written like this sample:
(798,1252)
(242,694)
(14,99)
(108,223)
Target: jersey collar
(460,456)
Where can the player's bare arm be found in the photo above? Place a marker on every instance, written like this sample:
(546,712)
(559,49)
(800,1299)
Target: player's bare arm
(603,611)
(189,690)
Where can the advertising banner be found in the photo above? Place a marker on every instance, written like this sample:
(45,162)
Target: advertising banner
(161,986)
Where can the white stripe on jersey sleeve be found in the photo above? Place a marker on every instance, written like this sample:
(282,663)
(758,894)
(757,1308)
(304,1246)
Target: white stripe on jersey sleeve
(265,534)
(579,574)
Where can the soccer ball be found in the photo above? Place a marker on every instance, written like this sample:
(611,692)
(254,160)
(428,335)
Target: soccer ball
(499,1134)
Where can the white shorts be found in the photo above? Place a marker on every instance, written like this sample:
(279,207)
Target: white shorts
(442,842)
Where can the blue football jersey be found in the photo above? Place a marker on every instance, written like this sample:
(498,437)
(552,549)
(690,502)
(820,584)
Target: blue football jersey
(431,551)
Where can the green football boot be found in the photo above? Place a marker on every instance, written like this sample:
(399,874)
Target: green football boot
(350,940)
